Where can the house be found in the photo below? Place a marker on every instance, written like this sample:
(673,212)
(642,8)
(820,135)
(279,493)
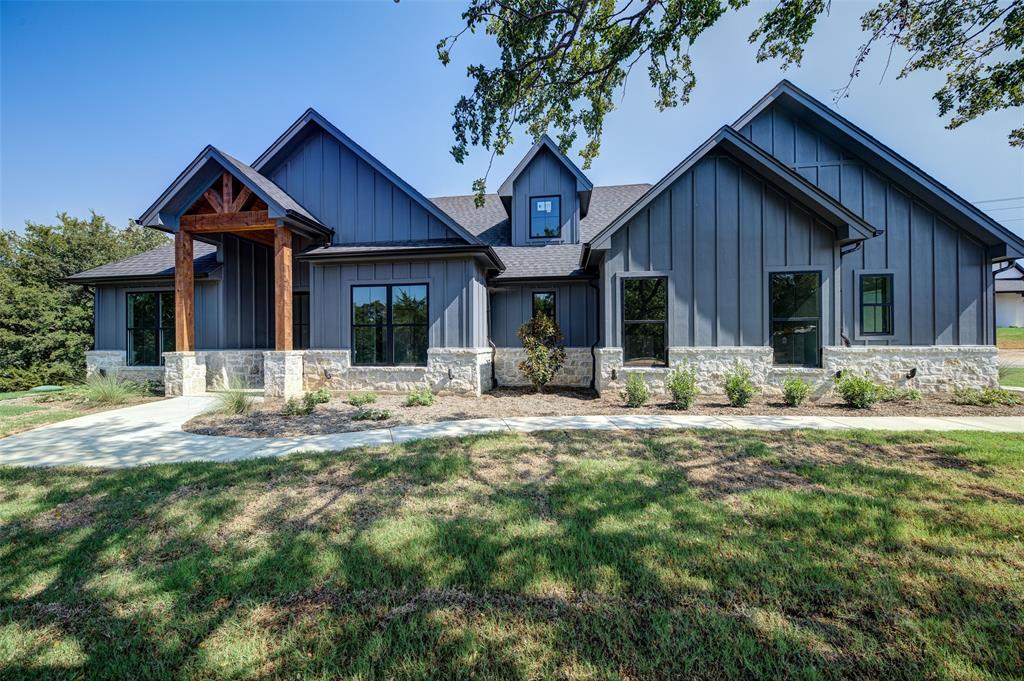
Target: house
(791,241)
(1009,294)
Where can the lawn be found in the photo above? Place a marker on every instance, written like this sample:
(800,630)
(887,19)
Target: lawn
(18,417)
(631,555)
(1012,376)
(1010,337)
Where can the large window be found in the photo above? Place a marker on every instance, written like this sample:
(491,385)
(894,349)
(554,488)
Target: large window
(545,217)
(389,325)
(150,327)
(300,320)
(644,320)
(795,299)
(544,303)
(876,304)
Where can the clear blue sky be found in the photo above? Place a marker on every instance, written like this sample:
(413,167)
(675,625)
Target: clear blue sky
(103,104)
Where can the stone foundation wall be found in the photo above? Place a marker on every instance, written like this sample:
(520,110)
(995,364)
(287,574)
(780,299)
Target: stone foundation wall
(451,370)
(710,363)
(575,373)
(939,368)
(108,362)
(233,368)
(282,374)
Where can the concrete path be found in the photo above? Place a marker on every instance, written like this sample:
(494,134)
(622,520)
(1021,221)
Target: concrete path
(151,433)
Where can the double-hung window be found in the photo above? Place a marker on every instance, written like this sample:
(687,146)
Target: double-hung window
(545,217)
(645,321)
(150,327)
(876,304)
(544,304)
(389,325)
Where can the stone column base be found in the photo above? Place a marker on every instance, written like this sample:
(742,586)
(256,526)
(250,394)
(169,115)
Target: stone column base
(282,374)
(184,374)
(459,370)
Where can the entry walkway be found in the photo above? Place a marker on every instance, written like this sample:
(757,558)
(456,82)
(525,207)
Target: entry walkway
(151,433)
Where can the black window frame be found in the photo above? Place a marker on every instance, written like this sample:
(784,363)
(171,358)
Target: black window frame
(300,328)
(554,304)
(772,318)
(529,226)
(626,322)
(159,328)
(389,325)
(889,310)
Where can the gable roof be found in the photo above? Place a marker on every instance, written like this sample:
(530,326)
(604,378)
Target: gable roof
(583,183)
(197,177)
(850,227)
(284,144)
(157,263)
(926,187)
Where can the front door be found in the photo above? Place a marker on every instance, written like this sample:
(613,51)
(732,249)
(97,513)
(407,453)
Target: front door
(794,300)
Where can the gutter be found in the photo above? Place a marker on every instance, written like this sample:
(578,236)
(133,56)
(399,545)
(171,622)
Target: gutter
(401,252)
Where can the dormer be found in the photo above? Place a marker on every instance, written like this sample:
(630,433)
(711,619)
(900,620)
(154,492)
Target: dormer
(545,197)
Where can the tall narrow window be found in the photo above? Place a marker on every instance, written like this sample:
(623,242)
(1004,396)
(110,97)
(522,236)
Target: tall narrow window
(644,321)
(795,299)
(544,303)
(300,320)
(389,325)
(545,217)
(150,327)
(876,304)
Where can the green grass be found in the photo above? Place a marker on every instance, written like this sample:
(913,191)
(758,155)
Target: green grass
(18,417)
(1012,376)
(630,555)
(14,395)
(1010,336)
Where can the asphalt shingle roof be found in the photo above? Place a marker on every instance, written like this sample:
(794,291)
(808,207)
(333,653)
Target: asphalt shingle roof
(158,262)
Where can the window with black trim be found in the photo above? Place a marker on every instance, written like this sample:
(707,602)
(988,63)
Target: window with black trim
(876,309)
(150,327)
(645,321)
(795,309)
(389,325)
(300,320)
(545,217)
(544,303)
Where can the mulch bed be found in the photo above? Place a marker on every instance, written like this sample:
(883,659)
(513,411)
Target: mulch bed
(266,420)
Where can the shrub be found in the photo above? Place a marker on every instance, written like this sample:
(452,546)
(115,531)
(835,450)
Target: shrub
(545,355)
(320,396)
(234,400)
(372,414)
(636,393)
(888,394)
(362,399)
(795,391)
(986,397)
(856,391)
(109,390)
(420,397)
(739,388)
(298,406)
(682,386)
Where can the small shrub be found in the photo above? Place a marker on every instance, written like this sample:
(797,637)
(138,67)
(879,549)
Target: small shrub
(986,397)
(320,396)
(739,388)
(420,397)
(298,406)
(109,390)
(682,386)
(889,394)
(856,391)
(636,393)
(795,391)
(234,401)
(362,399)
(372,414)
(545,355)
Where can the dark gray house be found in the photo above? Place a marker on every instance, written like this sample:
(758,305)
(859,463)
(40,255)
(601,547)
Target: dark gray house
(791,241)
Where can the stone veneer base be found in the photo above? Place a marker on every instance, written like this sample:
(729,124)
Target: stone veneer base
(184,374)
(576,373)
(448,370)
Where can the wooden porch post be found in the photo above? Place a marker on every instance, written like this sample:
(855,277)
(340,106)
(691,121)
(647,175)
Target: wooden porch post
(184,293)
(282,289)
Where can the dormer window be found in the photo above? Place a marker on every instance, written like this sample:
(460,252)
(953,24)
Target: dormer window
(545,217)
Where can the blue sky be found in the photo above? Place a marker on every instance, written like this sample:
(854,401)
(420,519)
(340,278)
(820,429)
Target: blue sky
(103,104)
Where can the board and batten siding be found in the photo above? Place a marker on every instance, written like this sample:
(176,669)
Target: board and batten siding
(716,233)
(456,303)
(942,282)
(575,307)
(345,193)
(111,312)
(545,175)
(247,295)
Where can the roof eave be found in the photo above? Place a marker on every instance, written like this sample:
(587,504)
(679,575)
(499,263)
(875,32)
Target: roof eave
(471,249)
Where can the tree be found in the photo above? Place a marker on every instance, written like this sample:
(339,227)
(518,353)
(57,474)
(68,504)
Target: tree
(562,61)
(545,354)
(46,325)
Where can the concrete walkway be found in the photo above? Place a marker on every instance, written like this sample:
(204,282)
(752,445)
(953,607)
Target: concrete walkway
(151,433)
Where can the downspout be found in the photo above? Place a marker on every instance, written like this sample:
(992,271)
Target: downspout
(856,247)
(494,348)
(597,338)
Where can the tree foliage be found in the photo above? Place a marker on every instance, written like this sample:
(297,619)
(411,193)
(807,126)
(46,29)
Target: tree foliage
(545,354)
(562,62)
(46,325)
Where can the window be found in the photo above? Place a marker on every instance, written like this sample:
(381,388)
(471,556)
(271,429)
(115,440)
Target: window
(876,304)
(150,327)
(545,217)
(389,325)
(795,300)
(300,320)
(644,318)
(544,303)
